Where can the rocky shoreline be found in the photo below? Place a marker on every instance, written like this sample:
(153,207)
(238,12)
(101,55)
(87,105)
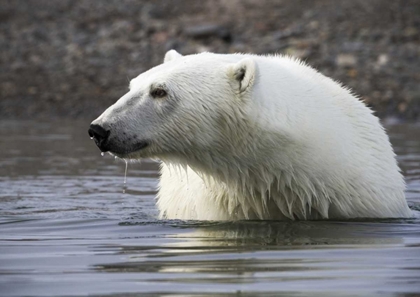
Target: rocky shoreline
(72,58)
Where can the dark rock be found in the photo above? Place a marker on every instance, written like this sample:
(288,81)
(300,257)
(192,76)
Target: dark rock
(208,30)
(286,34)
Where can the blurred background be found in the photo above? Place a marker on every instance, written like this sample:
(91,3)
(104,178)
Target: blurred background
(73,58)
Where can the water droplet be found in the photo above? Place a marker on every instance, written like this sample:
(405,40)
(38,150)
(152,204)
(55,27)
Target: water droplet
(115,157)
(125,176)
(102,154)
(91,137)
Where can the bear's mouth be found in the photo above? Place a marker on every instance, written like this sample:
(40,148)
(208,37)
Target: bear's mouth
(121,151)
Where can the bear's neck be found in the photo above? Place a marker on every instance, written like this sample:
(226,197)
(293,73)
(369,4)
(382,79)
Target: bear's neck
(241,165)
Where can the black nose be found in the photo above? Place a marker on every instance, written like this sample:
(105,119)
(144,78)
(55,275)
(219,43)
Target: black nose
(100,135)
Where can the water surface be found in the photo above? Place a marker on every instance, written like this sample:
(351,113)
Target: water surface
(67,229)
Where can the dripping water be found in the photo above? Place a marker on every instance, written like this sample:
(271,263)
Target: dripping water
(125,176)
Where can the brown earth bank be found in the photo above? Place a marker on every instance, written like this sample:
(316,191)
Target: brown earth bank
(73,58)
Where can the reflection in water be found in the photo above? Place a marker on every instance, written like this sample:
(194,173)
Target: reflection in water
(287,235)
(66,228)
(213,241)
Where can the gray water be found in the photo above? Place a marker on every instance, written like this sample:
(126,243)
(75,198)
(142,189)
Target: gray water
(67,229)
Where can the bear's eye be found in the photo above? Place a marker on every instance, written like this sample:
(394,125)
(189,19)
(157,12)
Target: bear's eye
(158,93)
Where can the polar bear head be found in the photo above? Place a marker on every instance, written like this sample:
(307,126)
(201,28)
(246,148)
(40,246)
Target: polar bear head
(186,106)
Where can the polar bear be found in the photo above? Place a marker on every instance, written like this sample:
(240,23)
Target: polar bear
(254,137)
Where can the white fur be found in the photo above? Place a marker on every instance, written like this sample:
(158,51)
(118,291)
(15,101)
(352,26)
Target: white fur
(253,137)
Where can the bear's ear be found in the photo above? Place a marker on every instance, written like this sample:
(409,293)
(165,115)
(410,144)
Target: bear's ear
(243,73)
(171,55)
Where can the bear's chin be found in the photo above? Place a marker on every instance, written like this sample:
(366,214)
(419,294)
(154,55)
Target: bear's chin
(133,152)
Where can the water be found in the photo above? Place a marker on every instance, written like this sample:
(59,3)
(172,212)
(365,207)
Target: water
(67,229)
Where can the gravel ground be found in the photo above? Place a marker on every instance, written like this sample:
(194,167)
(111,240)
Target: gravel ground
(73,58)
